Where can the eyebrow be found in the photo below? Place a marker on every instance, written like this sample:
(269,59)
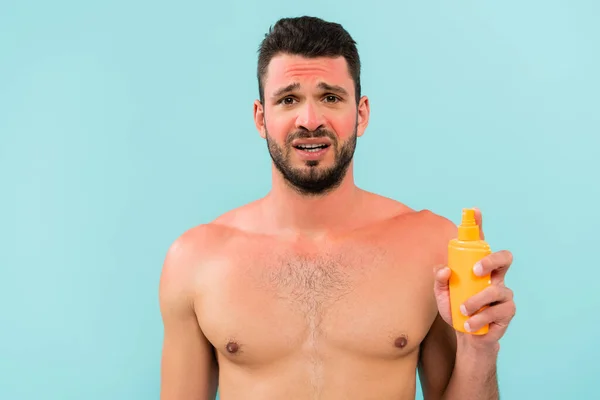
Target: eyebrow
(286,89)
(333,88)
(322,85)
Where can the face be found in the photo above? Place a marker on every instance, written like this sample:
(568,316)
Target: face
(310,120)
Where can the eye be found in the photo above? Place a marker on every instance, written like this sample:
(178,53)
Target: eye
(288,101)
(331,98)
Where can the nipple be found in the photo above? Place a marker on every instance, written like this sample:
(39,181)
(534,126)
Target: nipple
(232,347)
(400,342)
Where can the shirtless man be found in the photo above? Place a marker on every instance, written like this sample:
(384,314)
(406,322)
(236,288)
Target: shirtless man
(321,290)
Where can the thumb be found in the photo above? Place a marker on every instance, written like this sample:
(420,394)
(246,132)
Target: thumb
(441,291)
(442,280)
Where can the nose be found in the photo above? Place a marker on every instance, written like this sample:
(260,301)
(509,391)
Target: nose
(309,117)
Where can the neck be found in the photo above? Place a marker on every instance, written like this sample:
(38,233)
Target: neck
(288,210)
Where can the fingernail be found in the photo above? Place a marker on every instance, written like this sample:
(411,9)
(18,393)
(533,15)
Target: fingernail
(478,269)
(463,310)
(467,327)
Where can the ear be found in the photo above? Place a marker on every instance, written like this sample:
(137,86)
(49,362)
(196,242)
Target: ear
(364,112)
(259,118)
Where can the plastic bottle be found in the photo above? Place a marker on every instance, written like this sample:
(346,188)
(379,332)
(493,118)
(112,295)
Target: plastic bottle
(463,253)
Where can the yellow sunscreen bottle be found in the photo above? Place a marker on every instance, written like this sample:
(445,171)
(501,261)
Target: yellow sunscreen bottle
(463,253)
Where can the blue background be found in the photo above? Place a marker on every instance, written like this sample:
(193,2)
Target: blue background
(125,123)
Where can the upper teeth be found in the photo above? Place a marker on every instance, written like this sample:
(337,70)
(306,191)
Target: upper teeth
(310,146)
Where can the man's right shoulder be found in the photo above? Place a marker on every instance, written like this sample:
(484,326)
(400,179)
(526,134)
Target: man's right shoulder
(187,260)
(197,243)
(195,247)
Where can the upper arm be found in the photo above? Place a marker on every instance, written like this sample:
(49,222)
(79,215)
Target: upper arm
(188,365)
(436,360)
(438,349)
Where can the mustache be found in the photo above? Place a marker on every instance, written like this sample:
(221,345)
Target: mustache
(309,135)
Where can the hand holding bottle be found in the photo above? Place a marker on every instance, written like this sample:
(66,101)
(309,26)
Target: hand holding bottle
(470,291)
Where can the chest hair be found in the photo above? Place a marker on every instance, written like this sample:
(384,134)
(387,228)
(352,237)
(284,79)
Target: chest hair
(311,284)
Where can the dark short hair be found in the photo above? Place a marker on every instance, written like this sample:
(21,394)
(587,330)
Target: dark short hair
(309,37)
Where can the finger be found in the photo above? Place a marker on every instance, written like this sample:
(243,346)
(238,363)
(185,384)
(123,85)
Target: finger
(488,296)
(499,314)
(497,262)
(479,222)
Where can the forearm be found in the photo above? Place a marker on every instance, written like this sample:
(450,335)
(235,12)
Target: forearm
(474,374)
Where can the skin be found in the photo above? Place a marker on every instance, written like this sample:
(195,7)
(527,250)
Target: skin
(337,295)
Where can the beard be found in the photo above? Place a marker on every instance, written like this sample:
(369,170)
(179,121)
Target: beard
(312,179)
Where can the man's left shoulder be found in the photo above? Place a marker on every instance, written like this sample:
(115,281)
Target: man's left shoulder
(433,232)
(426,224)
(401,216)
(436,224)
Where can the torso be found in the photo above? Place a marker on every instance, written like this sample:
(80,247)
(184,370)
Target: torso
(334,319)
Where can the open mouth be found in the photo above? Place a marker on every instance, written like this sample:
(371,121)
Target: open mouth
(311,148)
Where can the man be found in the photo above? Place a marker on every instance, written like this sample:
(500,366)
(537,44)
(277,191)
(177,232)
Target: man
(321,290)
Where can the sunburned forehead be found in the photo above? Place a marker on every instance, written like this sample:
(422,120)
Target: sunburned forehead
(307,73)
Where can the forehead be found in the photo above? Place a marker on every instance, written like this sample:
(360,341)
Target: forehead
(285,69)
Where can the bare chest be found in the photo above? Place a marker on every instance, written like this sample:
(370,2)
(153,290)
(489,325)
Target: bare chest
(265,305)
